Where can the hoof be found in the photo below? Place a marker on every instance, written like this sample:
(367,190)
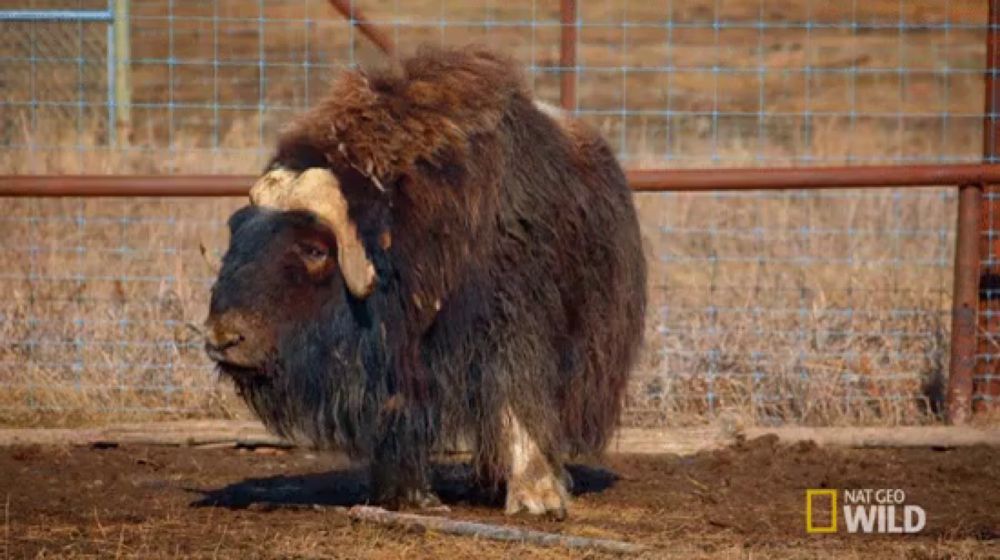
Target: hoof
(545,496)
(533,485)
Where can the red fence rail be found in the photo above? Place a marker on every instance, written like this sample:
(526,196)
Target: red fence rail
(641,180)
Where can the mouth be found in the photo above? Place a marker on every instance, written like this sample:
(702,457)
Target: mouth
(233,368)
(237,371)
(237,365)
(216,356)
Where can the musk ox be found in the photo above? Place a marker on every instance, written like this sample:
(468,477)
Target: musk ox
(432,257)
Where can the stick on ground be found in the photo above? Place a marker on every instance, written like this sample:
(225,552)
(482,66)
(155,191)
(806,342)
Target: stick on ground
(485,530)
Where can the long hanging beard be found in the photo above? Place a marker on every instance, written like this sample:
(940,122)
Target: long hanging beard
(323,385)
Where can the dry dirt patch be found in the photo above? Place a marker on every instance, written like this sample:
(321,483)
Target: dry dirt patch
(742,500)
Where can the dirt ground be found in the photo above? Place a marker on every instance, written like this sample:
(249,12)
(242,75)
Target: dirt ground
(744,501)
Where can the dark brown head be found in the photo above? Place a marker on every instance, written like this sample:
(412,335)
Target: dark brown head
(291,253)
(279,271)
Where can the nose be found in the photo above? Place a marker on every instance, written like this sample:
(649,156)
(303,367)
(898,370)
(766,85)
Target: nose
(232,341)
(218,339)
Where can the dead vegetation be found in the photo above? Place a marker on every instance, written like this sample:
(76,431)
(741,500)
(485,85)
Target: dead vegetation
(820,308)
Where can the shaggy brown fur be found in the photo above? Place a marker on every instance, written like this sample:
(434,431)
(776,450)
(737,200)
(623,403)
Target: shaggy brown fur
(510,272)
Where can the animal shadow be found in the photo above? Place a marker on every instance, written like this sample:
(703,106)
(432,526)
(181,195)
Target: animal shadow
(453,483)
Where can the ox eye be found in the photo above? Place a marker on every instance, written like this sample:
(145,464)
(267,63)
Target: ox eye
(313,252)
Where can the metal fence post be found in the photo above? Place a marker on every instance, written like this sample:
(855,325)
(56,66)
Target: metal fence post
(369,30)
(964,304)
(567,54)
(122,79)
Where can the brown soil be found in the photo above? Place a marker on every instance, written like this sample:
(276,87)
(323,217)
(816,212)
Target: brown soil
(743,501)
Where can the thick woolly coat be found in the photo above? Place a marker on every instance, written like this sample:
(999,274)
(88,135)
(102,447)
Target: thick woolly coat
(510,274)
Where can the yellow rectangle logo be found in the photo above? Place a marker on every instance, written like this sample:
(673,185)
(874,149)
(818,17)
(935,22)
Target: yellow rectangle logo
(812,493)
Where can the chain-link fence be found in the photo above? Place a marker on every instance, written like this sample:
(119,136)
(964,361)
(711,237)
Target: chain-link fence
(819,307)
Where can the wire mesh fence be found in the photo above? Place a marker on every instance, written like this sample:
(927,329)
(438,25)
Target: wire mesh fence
(986,378)
(53,70)
(818,307)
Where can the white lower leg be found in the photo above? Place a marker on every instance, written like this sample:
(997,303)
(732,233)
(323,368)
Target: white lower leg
(533,484)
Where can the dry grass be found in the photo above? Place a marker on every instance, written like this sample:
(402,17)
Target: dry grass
(150,540)
(819,308)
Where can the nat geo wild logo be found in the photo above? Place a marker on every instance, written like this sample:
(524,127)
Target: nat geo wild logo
(865,510)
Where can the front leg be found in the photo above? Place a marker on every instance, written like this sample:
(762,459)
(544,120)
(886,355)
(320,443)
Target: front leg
(536,482)
(400,466)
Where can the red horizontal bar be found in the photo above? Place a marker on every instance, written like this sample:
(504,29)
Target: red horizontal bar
(813,177)
(653,180)
(125,185)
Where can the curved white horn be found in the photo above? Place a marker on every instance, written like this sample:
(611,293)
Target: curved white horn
(318,191)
